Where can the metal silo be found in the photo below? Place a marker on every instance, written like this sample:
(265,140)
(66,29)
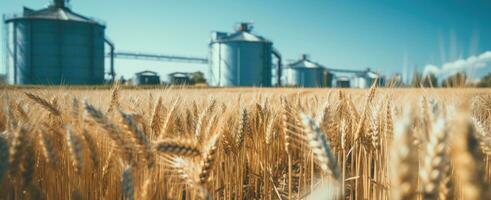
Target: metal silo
(364,79)
(54,46)
(240,59)
(305,73)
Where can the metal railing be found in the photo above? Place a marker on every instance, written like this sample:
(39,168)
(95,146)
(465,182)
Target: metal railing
(159,57)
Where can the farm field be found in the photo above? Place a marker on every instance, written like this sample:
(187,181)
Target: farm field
(245,143)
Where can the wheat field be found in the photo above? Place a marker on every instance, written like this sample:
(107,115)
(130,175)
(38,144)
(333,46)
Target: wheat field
(245,143)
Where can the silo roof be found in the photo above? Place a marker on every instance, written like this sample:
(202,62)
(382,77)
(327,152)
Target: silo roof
(372,74)
(243,36)
(147,73)
(55,13)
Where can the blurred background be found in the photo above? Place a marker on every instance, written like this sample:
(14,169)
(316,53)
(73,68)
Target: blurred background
(246,43)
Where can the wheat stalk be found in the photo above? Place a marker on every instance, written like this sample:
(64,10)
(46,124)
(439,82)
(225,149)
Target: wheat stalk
(467,161)
(4,157)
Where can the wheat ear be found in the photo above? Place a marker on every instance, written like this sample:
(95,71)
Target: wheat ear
(114,98)
(47,149)
(44,103)
(434,160)
(180,148)
(17,146)
(92,147)
(75,148)
(127,183)
(320,146)
(138,137)
(209,157)
(114,131)
(405,161)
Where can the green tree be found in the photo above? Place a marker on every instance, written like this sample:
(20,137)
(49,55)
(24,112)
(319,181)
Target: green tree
(485,81)
(197,77)
(430,80)
(457,80)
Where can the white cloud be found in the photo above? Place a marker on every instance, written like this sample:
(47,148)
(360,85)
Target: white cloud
(469,64)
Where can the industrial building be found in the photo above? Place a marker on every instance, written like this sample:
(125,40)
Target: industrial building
(305,73)
(146,78)
(355,79)
(179,78)
(328,78)
(342,82)
(240,58)
(54,46)
(364,79)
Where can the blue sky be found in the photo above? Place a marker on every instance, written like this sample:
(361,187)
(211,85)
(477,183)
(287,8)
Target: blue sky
(388,36)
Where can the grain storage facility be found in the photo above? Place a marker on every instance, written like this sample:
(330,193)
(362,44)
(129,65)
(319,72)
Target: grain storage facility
(304,73)
(146,78)
(240,58)
(328,78)
(342,82)
(54,46)
(364,79)
(179,78)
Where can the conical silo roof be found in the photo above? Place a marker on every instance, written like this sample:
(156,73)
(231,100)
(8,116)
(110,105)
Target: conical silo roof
(242,34)
(55,13)
(304,62)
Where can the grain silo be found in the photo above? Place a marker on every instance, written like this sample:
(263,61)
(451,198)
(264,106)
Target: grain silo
(364,79)
(54,45)
(328,78)
(305,73)
(240,58)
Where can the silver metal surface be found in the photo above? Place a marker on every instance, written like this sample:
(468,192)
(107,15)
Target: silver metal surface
(158,57)
(240,59)
(305,73)
(54,46)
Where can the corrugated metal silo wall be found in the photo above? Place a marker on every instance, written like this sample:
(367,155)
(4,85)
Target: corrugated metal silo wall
(359,82)
(328,79)
(10,53)
(305,77)
(56,52)
(241,64)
